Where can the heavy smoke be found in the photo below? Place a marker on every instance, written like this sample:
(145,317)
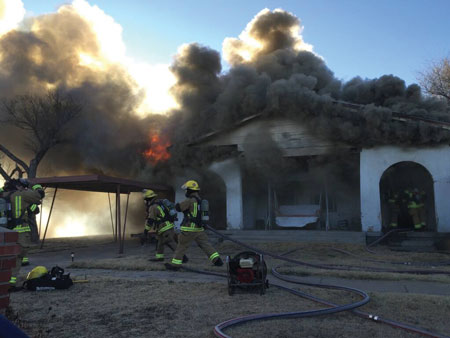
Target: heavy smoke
(275,73)
(63,51)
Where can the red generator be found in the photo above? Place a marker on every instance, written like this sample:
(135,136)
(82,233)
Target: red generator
(247,271)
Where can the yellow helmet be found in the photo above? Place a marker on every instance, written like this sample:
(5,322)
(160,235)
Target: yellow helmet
(37,272)
(148,193)
(191,185)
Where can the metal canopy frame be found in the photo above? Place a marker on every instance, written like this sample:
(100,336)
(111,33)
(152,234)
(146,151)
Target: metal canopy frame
(101,183)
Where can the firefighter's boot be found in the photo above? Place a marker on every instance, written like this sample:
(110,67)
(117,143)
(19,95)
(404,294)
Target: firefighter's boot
(185,259)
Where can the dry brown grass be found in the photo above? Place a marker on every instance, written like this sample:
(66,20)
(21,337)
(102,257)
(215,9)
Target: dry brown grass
(321,253)
(124,308)
(69,243)
(116,307)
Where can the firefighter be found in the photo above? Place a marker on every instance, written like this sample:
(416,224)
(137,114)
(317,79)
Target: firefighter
(192,228)
(21,200)
(31,211)
(413,200)
(394,209)
(159,221)
(421,196)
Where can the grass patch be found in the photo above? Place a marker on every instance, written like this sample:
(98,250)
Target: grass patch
(316,253)
(70,243)
(112,307)
(306,271)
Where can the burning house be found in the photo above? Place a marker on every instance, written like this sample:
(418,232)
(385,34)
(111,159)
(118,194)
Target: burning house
(314,183)
(275,141)
(279,142)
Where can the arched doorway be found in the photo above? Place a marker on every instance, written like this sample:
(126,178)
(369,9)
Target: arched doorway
(214,190)
(396,179)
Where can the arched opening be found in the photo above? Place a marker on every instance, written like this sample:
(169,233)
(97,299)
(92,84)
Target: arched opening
(394,182)
(214,190)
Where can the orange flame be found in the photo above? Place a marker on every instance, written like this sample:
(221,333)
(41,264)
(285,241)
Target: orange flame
(157,152)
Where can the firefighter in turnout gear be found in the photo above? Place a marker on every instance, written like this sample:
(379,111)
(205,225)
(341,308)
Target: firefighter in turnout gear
(416,207)
(394,209)
(159,221)
(32,211)
(192,228)
(21,201)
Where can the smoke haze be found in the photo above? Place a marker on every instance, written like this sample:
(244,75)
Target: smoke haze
(272,72)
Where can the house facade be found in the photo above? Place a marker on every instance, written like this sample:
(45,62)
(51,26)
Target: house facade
(284,176)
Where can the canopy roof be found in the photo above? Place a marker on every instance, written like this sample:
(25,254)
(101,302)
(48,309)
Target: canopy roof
(99,183)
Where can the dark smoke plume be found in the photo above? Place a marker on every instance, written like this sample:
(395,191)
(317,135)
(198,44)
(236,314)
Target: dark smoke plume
(275,73)
(109,136)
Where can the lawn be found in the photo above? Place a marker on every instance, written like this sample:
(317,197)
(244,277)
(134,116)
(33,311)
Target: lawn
(114,306)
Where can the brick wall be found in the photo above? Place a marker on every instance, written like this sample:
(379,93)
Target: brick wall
(8,252)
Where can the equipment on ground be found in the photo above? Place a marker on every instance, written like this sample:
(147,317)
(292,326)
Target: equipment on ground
(247,271)
(37,272)
(40,279)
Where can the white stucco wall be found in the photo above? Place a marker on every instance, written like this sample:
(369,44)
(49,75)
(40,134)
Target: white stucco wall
(230,171)
(373,163)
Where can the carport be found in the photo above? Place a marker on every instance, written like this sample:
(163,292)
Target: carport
(101,183)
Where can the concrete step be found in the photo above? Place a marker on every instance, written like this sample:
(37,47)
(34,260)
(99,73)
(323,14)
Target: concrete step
(418,242)
(413,249)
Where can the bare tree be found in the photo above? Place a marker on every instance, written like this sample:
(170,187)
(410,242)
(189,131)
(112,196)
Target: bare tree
(44,119)
(5,166)
(436,80)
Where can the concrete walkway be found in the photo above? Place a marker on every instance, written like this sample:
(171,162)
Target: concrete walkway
(63,259)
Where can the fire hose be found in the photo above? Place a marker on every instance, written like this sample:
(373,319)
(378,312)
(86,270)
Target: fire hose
(325,266)
(334,308)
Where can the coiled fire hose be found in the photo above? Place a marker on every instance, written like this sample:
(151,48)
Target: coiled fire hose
(334,308)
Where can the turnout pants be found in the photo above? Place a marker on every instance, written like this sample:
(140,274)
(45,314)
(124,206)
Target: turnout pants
(423,216)
(416,218)
(394,211)
(185,238)
(169,238)
(25,243)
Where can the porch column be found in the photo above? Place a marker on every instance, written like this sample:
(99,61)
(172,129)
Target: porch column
(370,192)
(230,171)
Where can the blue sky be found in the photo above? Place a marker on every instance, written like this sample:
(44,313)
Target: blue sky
(365,38)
